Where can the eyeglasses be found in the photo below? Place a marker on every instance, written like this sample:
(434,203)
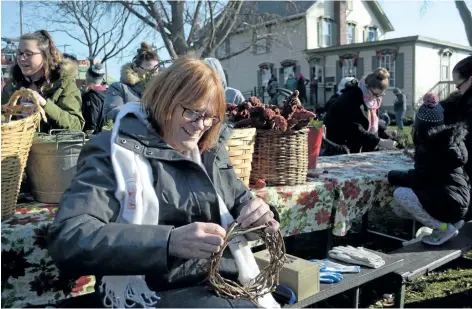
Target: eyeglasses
(377,95)
(458,87)
(27,54)
(194,116)
(155,68)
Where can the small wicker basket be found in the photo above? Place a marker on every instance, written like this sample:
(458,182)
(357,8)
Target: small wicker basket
(240,147)
(280,158)
(17,137)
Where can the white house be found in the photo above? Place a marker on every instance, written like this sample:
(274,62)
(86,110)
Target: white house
(333,39)
(301,26)
(416,65)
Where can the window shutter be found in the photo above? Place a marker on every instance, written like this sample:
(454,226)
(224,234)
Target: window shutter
(320,33)
(334,34)
(375,63)
(354,34)
(281,78)
(365,33)
(339,71)
(399,71)
(360,68)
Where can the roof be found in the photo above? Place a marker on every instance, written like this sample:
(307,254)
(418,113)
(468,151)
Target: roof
(408,39)
(379,13)
(270,10)
(276,8)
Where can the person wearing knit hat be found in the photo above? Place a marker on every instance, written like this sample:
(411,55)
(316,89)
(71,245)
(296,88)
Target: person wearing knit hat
(437,191)
(429,115)
(93,98)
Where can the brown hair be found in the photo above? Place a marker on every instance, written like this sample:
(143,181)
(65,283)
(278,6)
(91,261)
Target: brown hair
(193,84)
(379,79)
(145,53)
(52,56)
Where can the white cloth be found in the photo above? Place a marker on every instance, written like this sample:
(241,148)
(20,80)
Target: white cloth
(357,255)
(139,205)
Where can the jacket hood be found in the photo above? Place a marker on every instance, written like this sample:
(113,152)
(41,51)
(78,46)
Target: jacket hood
(129,76)
(68,70)
(446,143)
(216,65)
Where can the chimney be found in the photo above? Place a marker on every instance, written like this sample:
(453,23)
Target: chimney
(340,19)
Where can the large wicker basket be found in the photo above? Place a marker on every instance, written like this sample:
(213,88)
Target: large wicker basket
(240,147)
(280,158)
(17,137)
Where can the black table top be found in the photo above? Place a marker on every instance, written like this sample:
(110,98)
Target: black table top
(351,281)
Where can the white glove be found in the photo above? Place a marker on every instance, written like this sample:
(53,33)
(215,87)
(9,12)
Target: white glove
(387,144)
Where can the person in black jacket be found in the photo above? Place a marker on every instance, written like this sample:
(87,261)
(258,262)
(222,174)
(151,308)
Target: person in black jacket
(92,99)
(437,191)
(353,119)
(458,107)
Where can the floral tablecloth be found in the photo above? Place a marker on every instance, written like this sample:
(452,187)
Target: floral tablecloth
(29,276)
(302,208)
(360,182)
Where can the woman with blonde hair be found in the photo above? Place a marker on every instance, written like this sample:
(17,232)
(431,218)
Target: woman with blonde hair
(152,198)
(41,68)
(353,119)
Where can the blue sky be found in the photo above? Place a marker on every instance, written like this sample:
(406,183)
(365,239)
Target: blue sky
(440,20)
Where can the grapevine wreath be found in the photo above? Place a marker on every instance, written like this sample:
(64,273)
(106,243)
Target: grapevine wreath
(267,279)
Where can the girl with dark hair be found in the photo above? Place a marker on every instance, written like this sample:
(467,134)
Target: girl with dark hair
(134,77)
(437,191)
(41,68)
(353,121)
(458,107)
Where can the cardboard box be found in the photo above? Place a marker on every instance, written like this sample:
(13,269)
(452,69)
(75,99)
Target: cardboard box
(301,276)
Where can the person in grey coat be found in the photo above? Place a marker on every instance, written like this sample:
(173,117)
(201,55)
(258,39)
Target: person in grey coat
(183,138)
(232,95)
(134,77)
(399,107)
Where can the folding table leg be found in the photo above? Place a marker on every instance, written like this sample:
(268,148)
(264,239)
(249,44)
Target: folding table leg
(355,297)
(400,295)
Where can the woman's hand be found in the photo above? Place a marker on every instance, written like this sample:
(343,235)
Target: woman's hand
(41,100)
(258,213)
(196,240)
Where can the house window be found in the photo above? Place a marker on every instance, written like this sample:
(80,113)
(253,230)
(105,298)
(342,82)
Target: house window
(388,62)
(223,49)
(349,69)
(371,34)
(350,34)
(261,43)
(328,35)
(445,66)
(288,70)
(266,75)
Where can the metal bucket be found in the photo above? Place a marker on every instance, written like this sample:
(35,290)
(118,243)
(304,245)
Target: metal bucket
(52,165)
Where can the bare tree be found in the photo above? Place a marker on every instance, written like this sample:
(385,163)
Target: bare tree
(464,13)
(202,26)
(102,27)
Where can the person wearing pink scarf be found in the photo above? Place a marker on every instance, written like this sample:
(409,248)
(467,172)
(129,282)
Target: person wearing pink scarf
(353,119)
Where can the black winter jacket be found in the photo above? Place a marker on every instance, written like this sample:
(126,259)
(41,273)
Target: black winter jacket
(347,123)
(92,110)
(459,109)
(439,179)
